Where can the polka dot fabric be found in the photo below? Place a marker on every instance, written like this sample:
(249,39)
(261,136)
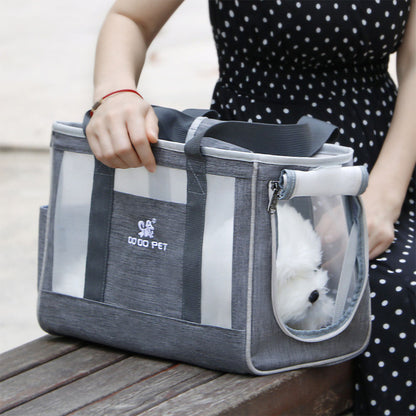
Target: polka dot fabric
(282,59)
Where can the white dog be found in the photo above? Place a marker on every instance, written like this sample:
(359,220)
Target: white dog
(300,292)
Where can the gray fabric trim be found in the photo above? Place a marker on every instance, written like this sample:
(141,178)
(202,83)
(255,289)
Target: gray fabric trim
(74,143)
(329,154)
(241,251)
(347,271)
(249,319)
(100,223)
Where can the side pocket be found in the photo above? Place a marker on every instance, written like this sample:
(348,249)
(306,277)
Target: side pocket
(43,214)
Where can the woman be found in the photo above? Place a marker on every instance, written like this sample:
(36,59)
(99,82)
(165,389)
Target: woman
(279,60)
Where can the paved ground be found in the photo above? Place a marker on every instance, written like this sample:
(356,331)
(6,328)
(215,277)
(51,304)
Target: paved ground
(46,50)
(23,187)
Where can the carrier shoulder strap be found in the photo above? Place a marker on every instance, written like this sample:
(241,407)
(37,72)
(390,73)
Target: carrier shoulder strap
(302,139)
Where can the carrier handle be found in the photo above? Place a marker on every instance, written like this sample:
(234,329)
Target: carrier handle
(324,181)
(302,139)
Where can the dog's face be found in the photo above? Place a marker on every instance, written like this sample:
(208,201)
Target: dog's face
(301,295)
(302,300)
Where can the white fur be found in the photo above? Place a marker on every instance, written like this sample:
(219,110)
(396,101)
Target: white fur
(298,273)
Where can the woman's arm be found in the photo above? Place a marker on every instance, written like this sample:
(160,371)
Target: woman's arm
(390,176)
(122,127)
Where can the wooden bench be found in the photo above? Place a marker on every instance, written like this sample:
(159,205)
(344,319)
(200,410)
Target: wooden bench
(60,376)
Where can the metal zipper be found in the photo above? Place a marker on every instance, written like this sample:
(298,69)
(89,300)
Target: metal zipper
(274,196)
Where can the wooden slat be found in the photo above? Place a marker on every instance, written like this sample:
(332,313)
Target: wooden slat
(56,376)
(150,392)
(35,353)
(103,383)
(53,374)
(305,392)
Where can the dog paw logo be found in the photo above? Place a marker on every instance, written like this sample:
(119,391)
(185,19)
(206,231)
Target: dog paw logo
(146,236)
(146,228)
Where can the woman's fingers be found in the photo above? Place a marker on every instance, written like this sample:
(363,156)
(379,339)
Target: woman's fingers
(138,135)
(123,148)
(121,130)
(101,145)
(152,126)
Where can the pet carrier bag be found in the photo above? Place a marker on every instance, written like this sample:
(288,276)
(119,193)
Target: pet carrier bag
(187,263)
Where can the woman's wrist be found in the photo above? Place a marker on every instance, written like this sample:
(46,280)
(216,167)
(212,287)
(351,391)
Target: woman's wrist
(110,94)
(389,191)
(103,88)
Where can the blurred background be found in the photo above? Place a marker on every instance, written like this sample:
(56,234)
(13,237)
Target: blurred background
(47,53)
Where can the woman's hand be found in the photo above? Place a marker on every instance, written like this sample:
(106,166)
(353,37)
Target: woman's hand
(121,130)
(381,213)
(123,126)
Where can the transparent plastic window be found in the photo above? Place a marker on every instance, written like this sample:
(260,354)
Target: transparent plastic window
(315,276)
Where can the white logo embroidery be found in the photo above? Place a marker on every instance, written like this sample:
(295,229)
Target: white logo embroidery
(146,230)
(147,236)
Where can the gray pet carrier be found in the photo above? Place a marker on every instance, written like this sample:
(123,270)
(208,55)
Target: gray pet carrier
(188,263)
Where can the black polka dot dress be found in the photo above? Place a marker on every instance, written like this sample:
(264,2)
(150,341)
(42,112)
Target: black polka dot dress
(282,59)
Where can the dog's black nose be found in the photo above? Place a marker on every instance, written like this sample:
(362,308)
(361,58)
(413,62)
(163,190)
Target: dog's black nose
(313,297)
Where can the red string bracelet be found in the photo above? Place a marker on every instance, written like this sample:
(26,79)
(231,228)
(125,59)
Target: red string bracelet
(100,101)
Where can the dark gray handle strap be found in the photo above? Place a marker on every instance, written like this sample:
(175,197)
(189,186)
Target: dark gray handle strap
(302,139)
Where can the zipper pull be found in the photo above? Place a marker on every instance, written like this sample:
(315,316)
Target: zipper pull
(274,196)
